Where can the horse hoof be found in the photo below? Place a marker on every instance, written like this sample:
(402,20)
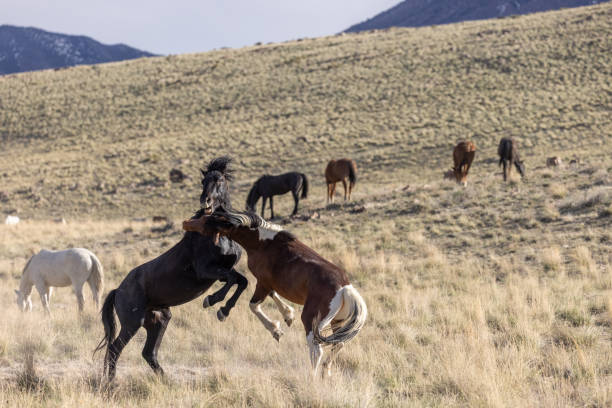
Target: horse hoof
(220,315)
(277,335)
(289,321)
(206,302)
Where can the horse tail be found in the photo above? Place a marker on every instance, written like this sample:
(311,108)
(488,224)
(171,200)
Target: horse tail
(352,172)
(96,279)
(304,185)
(110,326)
(351,326)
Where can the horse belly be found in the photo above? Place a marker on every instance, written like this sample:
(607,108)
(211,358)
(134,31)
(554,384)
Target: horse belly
(57,278)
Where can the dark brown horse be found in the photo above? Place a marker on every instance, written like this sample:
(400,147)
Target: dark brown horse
(285,266)
(268,186)
(181,274)
(508,156)
(463,155)
(340,170)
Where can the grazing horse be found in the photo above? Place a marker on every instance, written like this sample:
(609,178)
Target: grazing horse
(340,170)
(177,276)
(463,155)
(285,266)
(73,266)
(269,186)
(553,161)
(508,155)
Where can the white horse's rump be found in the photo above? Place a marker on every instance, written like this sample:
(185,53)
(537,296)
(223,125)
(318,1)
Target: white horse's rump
(73,266)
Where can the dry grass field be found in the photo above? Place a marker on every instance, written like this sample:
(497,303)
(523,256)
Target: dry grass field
(490,295)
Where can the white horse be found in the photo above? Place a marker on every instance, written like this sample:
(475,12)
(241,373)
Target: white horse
(73,266)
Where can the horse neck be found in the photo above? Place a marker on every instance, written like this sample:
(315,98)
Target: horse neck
(246,237)
(26,283)
(181,253)
(253,195)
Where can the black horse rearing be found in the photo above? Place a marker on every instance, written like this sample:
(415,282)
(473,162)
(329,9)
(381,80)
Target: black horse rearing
(268,186)
(179,275)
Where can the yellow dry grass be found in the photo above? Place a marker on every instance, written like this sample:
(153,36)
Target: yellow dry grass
(490,295)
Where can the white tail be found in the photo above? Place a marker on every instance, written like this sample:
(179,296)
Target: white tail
(348,296)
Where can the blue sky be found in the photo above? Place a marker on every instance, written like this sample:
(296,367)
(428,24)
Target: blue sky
(177,27)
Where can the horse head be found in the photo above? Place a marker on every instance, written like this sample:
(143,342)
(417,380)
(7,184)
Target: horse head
(215,185)
(24,303)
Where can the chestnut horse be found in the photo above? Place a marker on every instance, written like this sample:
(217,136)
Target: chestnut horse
(285,266)
(463,155)
(340,170)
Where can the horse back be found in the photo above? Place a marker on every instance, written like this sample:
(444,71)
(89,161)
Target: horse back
(295,271)
(61,268)
(338,170)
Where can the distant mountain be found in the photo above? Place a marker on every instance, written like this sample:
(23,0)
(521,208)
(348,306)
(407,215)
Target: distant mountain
(417,13)
(29,49)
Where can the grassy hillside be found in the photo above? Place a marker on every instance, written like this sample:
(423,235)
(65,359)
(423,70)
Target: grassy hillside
(100,138)
(496,294)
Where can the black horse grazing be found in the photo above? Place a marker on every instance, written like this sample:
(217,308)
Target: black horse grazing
(508,155)
(268,186)
(177,276)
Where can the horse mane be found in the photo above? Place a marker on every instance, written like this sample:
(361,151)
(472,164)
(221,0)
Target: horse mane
(222,165)
(248,219)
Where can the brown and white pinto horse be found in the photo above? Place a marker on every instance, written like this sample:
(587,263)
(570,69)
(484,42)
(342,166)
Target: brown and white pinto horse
(340,170)
(463,155)
(285,266)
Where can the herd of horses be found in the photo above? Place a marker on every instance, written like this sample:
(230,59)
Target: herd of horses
(208,252)
(463,156)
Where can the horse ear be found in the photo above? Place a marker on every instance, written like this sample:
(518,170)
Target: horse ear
(203,173)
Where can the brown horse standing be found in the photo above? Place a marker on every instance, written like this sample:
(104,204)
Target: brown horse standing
(463,155)
(285,266)
(340,170)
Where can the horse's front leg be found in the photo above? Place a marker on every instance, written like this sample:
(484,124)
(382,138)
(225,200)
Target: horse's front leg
(242,284)
(271,208)
(45,295)
(258,297)
(263,205)
(284,308)
(223,275)
(230,277)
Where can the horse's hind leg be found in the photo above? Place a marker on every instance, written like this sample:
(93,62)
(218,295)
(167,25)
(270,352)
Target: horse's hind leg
(296,199)
(333,352)
(155,323)
(505,164)
(78,291)
(95,294)
(116,347)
